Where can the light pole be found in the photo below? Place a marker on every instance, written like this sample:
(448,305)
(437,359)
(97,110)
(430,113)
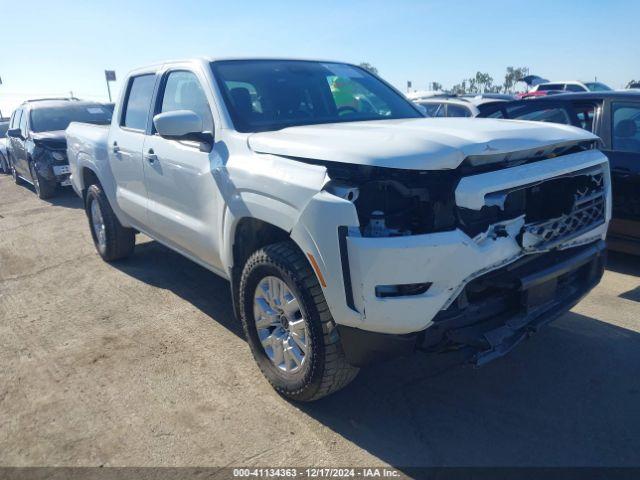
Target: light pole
(110,76)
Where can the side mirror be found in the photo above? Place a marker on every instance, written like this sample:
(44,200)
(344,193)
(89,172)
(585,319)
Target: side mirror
(14,132)
(181,125)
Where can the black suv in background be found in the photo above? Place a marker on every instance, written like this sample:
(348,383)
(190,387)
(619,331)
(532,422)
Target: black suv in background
(37,148)
(615,118)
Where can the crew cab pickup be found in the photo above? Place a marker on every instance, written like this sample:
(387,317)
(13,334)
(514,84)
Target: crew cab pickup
(350,227)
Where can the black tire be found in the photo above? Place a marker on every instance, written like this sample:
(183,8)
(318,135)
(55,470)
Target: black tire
(119,241)
(326,369)
(44,188)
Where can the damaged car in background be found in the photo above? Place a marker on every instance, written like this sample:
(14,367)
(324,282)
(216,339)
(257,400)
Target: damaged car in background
(351,231)
(36,146)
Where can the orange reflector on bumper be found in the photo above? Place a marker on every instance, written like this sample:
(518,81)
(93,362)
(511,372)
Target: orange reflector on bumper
(315,266)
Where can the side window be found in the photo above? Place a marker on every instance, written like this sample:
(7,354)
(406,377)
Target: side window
(23,124)
(138,101)
(548,114)
(458,111)
(626,128)
(15,119)
(585,114)
(574,88)
(550,86)
(497,114)
(182,91)
(434,109)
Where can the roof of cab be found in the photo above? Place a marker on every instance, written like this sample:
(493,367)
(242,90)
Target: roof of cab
(56,102)
(205,60)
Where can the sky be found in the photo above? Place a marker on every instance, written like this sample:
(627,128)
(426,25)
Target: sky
(52,48)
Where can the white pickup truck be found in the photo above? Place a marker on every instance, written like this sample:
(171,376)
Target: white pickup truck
(351,228)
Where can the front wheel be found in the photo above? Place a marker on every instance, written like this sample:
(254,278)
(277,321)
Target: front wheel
(111,239)
(289,328)
(44,188)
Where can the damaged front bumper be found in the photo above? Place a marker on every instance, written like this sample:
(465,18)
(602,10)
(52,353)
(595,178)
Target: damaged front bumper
(494,312)
(53,166)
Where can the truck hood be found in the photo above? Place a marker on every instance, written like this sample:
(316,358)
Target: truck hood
(414,144)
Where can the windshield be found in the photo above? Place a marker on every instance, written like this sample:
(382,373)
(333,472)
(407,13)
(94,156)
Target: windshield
(48,119)
(597,87)
(272,94)
(4,126)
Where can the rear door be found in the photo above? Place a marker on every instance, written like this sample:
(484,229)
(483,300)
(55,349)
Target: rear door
(621,135)
(184,199)
(125,143)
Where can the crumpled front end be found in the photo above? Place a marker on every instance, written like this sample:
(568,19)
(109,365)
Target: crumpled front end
(417,258)
(50,160)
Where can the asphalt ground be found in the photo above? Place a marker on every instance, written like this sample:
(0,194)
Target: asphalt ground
(141,363)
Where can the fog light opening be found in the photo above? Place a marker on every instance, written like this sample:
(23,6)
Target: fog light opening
(404,290)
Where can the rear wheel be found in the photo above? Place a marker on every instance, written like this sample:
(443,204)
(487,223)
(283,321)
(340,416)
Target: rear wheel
(288,325)
(111,239)
(44,188)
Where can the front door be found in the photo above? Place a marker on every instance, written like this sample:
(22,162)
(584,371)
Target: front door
(182,191)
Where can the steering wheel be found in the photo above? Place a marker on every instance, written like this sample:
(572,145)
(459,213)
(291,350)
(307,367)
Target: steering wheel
(346,109)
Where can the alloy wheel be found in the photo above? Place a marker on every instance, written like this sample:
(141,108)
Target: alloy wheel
(97,223)
(281,327)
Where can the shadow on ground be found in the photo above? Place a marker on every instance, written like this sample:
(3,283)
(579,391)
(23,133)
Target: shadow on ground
(570,396)
(64,197)
(623,263)
(161,267)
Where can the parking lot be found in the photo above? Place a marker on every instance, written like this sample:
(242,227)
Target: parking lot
(142,363)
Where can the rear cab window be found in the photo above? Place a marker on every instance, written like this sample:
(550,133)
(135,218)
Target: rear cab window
(138,102)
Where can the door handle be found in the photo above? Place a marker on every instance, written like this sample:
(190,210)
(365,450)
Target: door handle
(151,157)
(115,148)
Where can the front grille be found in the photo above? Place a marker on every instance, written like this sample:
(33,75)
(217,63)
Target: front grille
(588,212)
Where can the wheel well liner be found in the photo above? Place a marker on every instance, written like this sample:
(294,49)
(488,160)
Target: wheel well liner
(250,235)
(89,178)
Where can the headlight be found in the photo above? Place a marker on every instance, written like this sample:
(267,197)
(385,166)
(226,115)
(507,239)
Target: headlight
(58,156)
(394,202)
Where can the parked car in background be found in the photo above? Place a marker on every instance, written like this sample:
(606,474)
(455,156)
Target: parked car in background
(460,106)
(350,232)
(615,118)
(37,148)
(4,162)
(572,86)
